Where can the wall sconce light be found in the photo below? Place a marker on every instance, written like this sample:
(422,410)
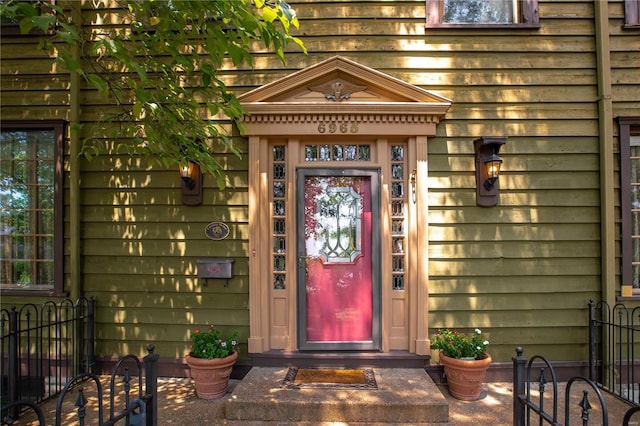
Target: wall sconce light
(488,165)
(191,184)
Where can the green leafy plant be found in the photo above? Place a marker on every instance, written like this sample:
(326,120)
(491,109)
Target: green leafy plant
(209,344)
(163,68)
(455,344)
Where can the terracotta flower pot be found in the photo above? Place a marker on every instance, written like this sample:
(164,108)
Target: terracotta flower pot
(211,376)
(465,377)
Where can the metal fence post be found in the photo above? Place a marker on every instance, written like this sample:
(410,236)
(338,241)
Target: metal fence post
(519,370)
(12,374)
(592,341)
(151,385)
(78,341)
(91,336)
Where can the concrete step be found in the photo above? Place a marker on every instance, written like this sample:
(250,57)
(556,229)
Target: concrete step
(404,396)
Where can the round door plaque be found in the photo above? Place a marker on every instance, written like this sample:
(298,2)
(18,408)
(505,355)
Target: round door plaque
(217,231)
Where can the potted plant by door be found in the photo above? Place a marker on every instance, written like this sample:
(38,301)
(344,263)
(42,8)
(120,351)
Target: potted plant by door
(465,360)
(211,360)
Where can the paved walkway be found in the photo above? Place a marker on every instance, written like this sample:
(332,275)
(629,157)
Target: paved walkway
(182,407)
(178,405)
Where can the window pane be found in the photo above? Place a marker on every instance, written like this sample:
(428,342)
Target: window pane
(397,171)
(350,152)
(279,244)
(478,12)
(278,153)
(634,165)
(398,282)
(45,273)
(278,263)
(278,189)
(27,175)
(635,223)
(325,153)
(364,153)
(397,190)
(310,153)
(278,226)
(279,171)
(337,152)
(278,281)
(397,153)
(397,227)
(278,208)
(397,208)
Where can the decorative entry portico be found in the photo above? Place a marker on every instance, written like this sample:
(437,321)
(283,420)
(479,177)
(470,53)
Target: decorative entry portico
(338,210)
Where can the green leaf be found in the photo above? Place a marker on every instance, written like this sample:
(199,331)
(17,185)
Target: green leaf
(269,14)
(98,82)
(300,44)
(69,35)
(26,26)
(71,63)
(153,75)
(206,79)
(43,23)
(137,110)
(236,52)
(26,9)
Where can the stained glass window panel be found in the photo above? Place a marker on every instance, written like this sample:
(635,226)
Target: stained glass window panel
(279,153)
(279,171)
(278,208)
(310,153)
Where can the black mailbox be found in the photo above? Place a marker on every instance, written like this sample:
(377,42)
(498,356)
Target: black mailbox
(215,268)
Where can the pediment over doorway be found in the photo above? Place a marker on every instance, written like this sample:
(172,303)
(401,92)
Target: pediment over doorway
(340,87)
(352,136)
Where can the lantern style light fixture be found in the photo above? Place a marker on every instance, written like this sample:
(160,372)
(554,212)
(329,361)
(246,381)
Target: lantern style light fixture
(191,184)
(488,165)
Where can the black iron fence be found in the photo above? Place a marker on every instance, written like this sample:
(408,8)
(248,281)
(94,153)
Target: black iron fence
(535,394)
(614,339)
(132,397)
(42,346)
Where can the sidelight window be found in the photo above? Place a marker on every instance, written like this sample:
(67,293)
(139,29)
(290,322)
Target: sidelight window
(278,180)
(398,216)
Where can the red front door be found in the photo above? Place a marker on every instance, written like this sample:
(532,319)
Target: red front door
(338,289)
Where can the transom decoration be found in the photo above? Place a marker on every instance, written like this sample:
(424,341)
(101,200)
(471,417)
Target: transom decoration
(337,152)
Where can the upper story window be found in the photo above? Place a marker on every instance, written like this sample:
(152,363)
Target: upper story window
(632,13)
(31,212)
(482,13)
(630,201)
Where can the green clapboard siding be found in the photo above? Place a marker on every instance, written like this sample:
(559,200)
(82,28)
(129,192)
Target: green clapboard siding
(523,272)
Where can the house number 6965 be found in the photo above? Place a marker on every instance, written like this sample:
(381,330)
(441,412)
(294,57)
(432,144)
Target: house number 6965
(342,127)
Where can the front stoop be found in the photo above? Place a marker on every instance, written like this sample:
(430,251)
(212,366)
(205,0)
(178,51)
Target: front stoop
(404,396)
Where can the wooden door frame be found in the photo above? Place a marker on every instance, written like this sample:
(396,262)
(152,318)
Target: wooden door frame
(295,108)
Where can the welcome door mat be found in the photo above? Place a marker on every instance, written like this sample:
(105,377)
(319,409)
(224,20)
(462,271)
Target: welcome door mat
(329,378)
